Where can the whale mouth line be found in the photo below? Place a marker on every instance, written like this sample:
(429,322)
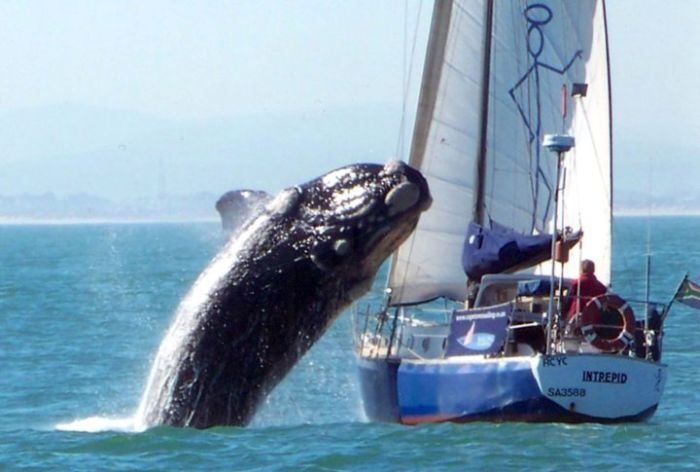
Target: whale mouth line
(375,236)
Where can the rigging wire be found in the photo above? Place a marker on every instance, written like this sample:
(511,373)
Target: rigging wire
(407,74)
(648,224)
(404,83)
(407,71)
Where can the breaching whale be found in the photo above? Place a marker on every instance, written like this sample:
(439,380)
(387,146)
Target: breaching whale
(275,288)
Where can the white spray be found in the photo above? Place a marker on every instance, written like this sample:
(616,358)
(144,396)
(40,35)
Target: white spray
(159,387)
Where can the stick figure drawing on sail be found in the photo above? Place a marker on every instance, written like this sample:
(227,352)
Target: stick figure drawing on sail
(537,17)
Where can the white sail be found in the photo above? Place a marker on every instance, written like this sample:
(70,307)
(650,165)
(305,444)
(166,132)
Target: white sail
(496,77)
(588,196)
(445,148)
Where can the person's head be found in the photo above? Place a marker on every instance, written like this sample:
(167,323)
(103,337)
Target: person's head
(587,266)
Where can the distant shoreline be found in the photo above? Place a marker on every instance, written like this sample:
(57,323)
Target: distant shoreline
(656,214)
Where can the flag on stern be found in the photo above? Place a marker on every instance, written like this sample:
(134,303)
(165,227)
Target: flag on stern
(688,293)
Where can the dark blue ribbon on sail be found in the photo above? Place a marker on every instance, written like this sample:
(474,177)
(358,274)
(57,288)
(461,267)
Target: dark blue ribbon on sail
(499,249)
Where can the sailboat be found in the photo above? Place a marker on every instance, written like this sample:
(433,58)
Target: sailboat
(514,134)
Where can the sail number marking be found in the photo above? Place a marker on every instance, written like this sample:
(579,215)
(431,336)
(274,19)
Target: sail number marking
(566,392)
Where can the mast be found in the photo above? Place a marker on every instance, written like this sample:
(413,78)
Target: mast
(485,80)
(610,120)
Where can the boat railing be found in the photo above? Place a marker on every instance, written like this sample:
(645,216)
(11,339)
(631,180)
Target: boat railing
(422,333)
(383,332)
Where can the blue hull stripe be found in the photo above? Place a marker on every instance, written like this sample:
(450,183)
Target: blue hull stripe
(492,391)
(456,390)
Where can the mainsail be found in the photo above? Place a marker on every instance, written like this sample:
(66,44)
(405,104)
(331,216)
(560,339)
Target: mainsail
(499,75)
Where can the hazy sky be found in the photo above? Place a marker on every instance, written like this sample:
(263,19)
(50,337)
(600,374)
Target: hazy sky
(193,62)
(184,59)
(656,97)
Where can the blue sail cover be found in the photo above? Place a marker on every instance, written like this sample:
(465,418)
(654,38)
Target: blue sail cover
(535,288)
(499,249)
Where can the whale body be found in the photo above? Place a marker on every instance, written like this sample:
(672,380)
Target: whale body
(275,288)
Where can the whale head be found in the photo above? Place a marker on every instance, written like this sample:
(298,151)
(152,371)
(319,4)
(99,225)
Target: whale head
(356,216)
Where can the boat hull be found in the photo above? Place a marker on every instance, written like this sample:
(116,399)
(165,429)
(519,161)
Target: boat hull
(379,394)
(564,388)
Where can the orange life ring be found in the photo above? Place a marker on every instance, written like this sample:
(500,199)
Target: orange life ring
(592,316)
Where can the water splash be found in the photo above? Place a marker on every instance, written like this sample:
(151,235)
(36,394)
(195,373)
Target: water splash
(98,424)
(161,380)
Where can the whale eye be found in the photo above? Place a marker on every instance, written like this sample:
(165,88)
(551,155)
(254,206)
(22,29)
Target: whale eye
(322,262)
(322,255)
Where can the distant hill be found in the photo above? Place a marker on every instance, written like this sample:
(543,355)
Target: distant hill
(80,162)
(655,175)
(120,155)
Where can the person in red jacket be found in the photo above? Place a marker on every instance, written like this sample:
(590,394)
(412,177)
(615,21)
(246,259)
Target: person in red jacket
(584,289)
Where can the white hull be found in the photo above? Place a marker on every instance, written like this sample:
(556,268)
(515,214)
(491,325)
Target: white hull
(598,385)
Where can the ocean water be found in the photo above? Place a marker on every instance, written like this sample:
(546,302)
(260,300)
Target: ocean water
(84,307)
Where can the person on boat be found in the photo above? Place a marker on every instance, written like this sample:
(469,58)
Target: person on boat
(585,288)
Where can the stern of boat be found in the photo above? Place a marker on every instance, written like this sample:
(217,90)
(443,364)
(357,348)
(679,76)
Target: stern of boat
(600,387)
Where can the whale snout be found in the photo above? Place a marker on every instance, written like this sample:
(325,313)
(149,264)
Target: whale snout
(404,199)
(401,198)
(412,191)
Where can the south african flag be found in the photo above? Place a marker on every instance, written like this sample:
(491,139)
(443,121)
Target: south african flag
(689,293)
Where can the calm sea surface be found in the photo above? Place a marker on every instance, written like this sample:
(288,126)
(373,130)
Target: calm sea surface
(84,307)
